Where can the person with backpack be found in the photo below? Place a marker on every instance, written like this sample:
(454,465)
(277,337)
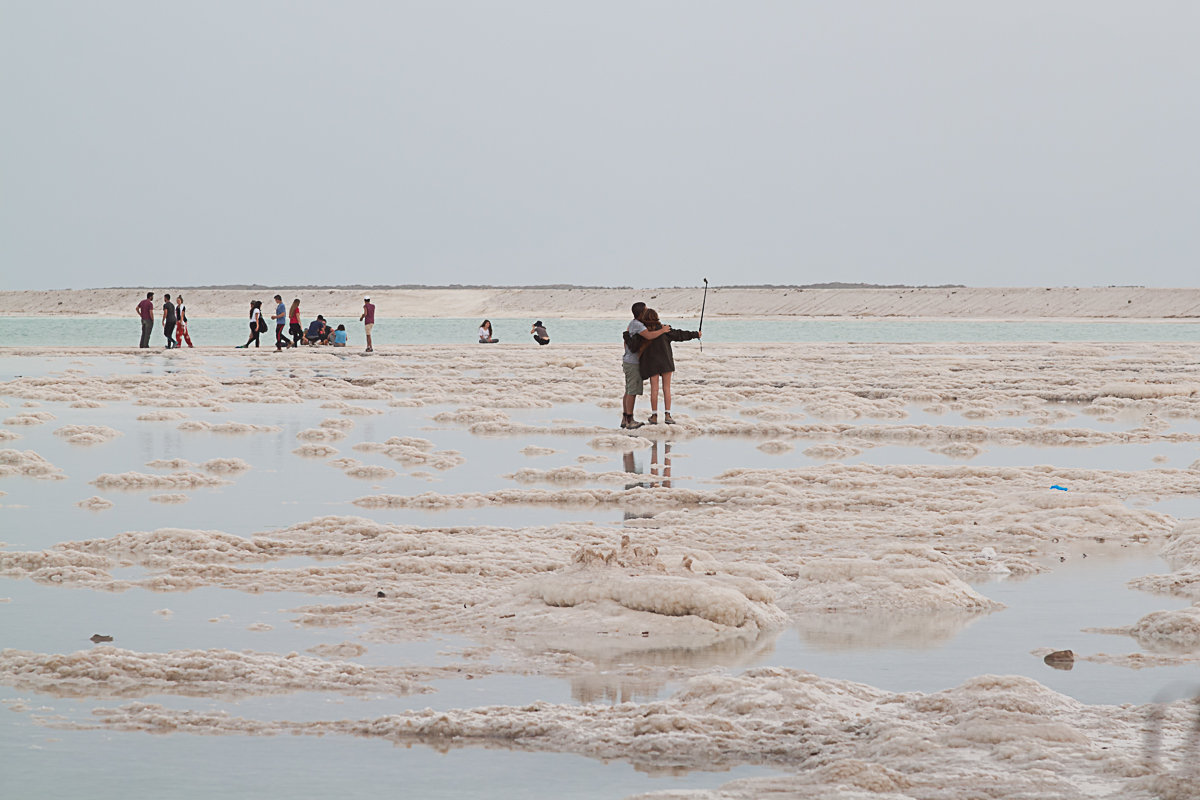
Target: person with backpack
(258,325)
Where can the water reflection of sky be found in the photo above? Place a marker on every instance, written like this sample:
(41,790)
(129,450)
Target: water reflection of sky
(911,653)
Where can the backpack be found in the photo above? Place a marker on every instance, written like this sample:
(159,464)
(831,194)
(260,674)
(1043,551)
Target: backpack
(262,324)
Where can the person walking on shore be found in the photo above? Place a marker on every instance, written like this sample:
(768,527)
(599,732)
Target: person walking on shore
(295,329)
(168,320)
(181,331)
(656,363)
(635,334)
(145,310)
(368,321)
(280,317)
(257,324)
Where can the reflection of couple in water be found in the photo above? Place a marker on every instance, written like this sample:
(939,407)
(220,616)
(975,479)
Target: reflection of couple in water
(632,468)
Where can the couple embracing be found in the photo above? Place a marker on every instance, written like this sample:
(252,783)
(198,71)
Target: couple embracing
(648,356)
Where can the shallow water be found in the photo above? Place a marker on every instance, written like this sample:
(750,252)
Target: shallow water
(230,331)
(904,653)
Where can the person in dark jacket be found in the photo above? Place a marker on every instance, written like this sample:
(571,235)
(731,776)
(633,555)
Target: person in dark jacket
(657,362)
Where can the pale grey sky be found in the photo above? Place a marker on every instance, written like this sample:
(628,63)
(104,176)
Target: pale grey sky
(616,143)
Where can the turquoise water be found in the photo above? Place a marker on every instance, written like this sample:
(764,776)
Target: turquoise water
(106,332)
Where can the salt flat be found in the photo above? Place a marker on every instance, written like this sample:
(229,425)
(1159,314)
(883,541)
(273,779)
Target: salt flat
(301,525)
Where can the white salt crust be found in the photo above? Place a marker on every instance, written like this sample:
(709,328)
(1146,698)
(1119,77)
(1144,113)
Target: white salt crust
(112,672)
(141,481)
(95,503)
(834,550)
(27,464)
(995,737)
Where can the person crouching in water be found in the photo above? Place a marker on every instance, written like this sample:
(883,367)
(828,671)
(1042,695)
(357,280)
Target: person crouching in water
(485,333)
(539,333)
(656,361)
(339,336)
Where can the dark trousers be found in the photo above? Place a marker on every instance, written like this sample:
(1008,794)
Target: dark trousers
(147,329)
(254,333)
(169,332)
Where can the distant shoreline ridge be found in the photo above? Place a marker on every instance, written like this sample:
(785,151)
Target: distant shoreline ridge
(578,302)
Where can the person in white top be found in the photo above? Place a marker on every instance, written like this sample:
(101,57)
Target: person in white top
(485,333)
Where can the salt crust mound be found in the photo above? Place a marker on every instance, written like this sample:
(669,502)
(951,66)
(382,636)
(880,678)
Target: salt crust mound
(340,650)
(618,442)
(1175,631)
(830,452)
(902,578)
(565,476)
(168,498)
(321,435)
(414,452)
(227,427)
(30,418)
(533,451)
(369,472)
(140,481)
(161,416)
(629,591)
(28,464)
(774,446)
(95,503)
(1008,735)
(315,451)
(8,436)
(337,423)
(112,672)
(87,434)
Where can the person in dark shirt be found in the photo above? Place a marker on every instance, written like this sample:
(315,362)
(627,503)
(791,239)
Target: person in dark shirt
(318,332)
(145,310)
(656,362)
(539,333)
(168,320)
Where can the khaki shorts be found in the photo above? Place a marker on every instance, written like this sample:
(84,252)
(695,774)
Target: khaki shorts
(633,378)
(368,326)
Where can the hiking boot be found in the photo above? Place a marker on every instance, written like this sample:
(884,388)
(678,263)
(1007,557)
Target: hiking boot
(653,419)
(667,418)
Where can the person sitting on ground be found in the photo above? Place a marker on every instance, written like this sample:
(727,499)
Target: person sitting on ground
(485,333)
(339,336)
(317,332)
(539,333)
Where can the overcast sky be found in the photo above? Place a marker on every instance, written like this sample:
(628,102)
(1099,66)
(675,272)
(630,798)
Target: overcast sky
(607,143)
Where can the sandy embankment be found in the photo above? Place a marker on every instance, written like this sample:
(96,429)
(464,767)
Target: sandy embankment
(594,303)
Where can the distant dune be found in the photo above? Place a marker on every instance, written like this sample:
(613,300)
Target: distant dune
(948,302)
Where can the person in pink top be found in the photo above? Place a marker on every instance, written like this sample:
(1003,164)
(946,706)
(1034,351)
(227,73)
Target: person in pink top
(145,310)
(368,320)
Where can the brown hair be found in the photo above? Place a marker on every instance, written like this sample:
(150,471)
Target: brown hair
(649,318)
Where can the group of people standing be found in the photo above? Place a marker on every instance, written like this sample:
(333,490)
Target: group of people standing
(318,332)
(648,356)
(175,324)
(174,321)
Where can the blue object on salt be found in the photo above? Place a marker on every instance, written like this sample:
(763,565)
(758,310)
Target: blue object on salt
(1060,488)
